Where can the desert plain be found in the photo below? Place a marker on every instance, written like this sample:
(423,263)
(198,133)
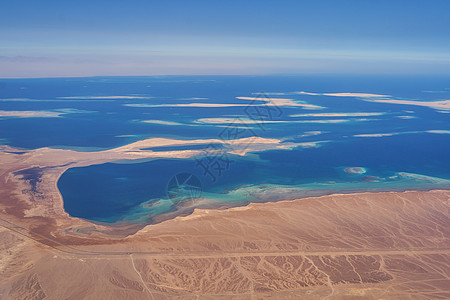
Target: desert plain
(387,245)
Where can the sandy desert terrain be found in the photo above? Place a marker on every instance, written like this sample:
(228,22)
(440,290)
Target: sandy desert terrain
(357,246)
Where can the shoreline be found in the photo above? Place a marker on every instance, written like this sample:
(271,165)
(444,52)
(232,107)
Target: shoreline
(171,215)
(280,193)
(351,244)
(250,205)
(43,210)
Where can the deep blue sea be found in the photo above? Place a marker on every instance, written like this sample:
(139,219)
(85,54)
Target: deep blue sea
(388,128)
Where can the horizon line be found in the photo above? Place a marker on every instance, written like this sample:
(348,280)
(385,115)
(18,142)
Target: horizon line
(224,75)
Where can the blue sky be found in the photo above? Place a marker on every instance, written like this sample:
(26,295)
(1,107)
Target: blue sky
(88,38)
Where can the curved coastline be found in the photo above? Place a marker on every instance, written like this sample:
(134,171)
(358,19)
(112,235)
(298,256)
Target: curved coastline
(156,210)
(54,162)
(373,231)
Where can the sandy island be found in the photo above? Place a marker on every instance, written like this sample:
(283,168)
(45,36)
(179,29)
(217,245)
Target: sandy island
(356,246)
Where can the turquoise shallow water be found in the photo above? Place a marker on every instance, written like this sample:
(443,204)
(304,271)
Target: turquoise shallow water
(399,146)
(139,192)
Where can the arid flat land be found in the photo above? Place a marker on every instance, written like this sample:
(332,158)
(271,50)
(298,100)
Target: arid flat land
(354,246)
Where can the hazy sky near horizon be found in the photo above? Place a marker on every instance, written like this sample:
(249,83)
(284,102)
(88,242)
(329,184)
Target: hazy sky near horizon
(90,38)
